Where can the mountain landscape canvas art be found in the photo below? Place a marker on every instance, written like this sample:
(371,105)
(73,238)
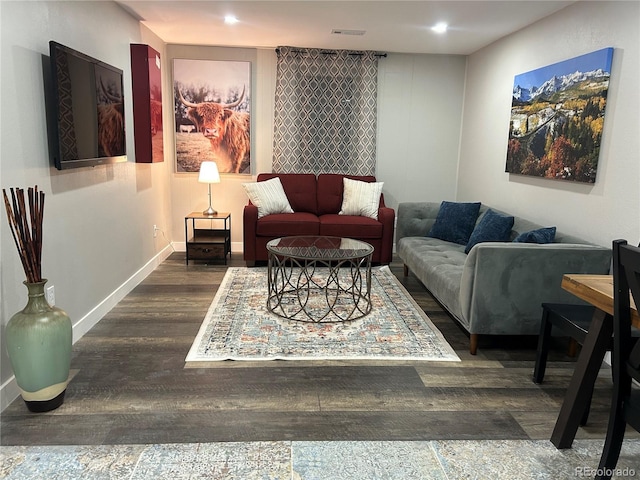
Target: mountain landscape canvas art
(557,118)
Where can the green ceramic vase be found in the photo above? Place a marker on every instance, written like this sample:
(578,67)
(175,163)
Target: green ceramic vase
(39,340)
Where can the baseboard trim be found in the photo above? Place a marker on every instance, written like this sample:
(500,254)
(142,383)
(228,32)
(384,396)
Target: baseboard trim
(9,390)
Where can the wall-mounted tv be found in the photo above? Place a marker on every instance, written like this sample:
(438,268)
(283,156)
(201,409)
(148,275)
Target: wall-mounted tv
(88,110)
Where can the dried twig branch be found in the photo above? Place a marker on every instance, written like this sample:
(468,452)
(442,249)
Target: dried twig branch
(26,229)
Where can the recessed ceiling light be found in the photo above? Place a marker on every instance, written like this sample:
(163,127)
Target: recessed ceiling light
(230,19)
(440,27)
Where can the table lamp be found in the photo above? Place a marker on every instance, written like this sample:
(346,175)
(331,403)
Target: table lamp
(209,174)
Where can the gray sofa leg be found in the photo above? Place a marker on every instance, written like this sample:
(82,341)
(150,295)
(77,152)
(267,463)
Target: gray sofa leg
(473,343)
(406,270)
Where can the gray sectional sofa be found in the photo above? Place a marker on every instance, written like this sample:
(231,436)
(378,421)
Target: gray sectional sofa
(498,287)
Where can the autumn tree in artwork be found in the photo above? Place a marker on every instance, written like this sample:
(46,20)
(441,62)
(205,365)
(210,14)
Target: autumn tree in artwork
(570,147)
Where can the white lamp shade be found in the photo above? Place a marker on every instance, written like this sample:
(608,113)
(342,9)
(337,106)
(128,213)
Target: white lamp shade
(209,173)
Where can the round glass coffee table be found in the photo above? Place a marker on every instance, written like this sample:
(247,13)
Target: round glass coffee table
(319,279)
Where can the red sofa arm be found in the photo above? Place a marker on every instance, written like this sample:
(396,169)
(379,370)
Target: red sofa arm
(249,223)
(387,216)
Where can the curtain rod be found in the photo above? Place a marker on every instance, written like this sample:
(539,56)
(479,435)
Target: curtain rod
(334,52)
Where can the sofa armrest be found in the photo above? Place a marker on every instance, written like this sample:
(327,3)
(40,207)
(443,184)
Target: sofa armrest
(415,219)
(249,223)
(504,284)
(387,216)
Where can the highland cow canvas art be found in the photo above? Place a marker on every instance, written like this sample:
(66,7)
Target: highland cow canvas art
(212,102)
(557,118)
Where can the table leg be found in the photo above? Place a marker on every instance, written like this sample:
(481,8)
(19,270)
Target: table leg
(578,396)
(186,240)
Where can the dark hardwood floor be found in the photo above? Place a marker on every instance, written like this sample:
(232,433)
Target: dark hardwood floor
(130,385)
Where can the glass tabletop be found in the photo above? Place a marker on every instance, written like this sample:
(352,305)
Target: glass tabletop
(319,248)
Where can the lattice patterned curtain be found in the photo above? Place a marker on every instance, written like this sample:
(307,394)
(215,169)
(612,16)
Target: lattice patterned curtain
(325,111)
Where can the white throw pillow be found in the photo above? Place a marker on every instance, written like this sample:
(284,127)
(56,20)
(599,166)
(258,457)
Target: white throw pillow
(268,196)
(361,198)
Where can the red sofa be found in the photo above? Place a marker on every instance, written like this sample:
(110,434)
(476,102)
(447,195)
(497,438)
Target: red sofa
(316,202)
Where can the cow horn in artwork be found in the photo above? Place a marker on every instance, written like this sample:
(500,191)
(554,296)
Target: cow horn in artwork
(237,102)
(188,104)
(224,105)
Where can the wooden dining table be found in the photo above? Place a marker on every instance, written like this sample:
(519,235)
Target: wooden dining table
(596,290)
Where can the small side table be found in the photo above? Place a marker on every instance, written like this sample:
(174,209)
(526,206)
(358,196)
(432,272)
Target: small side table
(208,243)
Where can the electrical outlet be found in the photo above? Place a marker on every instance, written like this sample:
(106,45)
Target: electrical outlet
(51,295)
(155,231)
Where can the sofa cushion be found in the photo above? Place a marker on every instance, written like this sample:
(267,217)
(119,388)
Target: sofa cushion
(350,226)
(268,196)
(288,224)
(299,187)
(361,198)
(541,235)
(492,227)
(331,188)
(439,265)
(455,222)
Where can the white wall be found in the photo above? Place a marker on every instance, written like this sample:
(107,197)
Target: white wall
(601,212)
(419,120)
(98,236)
(420,101)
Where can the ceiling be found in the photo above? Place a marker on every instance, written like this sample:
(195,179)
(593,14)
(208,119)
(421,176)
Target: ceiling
(390,26)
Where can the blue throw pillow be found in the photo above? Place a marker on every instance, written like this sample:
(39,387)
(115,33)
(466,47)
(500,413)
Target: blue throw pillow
(455,222)
(492,227)
(542,235)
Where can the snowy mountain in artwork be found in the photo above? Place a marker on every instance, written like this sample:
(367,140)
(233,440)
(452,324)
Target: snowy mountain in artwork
(557,84)
(523,94)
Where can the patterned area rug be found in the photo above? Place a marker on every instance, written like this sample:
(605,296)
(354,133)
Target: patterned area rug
(284,460)
(238,326)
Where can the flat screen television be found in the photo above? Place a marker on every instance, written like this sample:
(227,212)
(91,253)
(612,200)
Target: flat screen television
(88,110)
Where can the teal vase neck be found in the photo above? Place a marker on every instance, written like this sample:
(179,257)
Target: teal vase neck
(37,301)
